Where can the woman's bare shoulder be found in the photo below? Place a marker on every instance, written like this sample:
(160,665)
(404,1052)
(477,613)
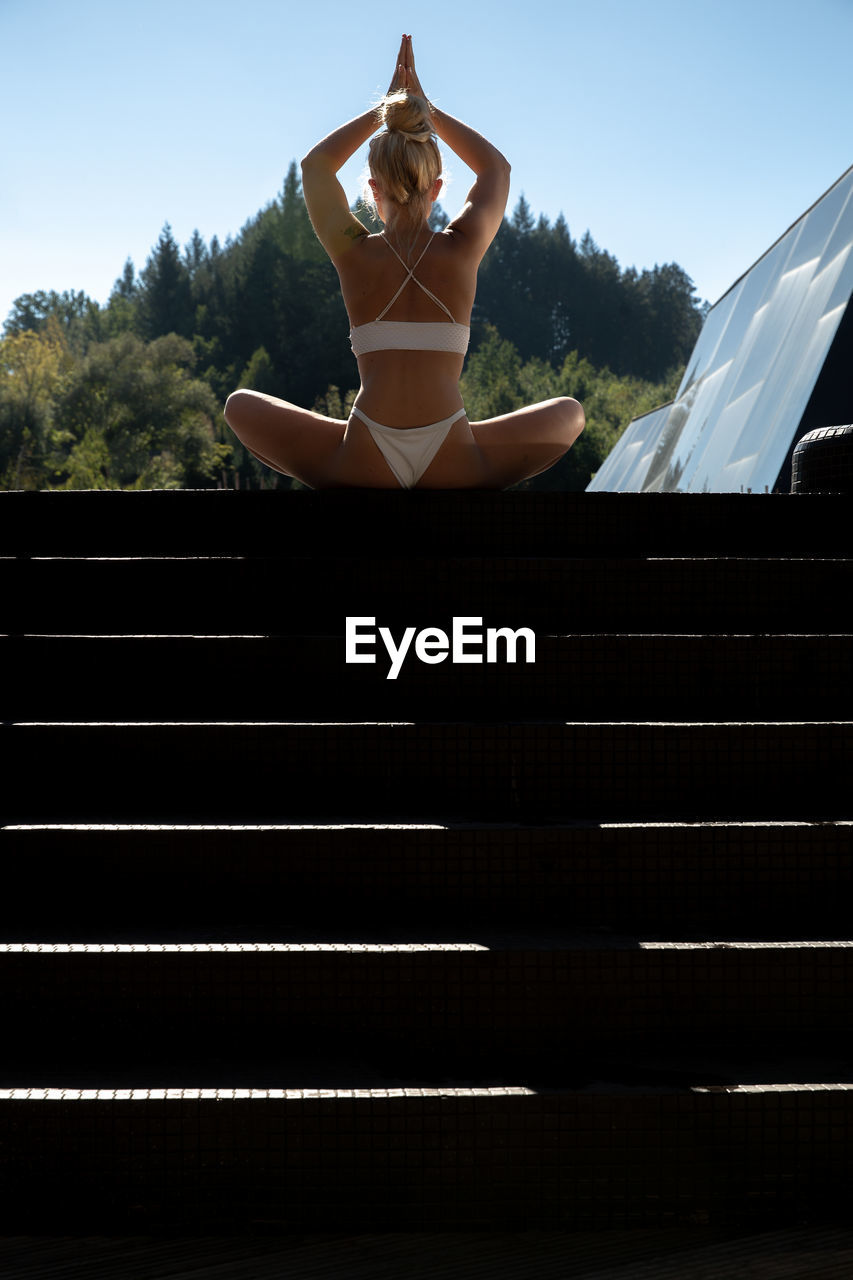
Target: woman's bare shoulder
(458,244)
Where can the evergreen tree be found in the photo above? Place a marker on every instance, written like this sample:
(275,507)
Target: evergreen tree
(126,286)
(165,303)
(195,255)
(522,217)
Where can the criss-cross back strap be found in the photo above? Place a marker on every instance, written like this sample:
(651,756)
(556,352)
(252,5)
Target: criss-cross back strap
(411,276)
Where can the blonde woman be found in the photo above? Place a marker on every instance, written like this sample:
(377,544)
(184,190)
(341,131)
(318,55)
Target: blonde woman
(408,292)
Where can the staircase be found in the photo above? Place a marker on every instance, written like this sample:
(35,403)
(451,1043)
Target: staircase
(290,946)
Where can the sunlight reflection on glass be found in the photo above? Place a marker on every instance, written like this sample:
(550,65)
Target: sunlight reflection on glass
(753,370)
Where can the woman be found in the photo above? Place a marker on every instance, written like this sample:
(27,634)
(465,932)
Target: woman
(409,293)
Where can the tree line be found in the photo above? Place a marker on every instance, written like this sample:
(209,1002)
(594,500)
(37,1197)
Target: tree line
(130,394)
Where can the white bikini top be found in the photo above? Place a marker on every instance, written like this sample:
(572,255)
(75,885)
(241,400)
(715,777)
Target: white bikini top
(410,335)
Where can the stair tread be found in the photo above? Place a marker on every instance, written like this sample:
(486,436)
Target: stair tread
(444,722)
(489,942)
(140,1092)
(324,828)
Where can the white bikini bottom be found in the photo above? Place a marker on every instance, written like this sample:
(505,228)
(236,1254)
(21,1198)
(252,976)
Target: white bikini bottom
(409,450)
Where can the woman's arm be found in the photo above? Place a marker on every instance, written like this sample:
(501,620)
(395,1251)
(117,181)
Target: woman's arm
(480,218)
(336,226)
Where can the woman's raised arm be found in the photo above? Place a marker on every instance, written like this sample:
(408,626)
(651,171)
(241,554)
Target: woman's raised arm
(482,214)
(336,226)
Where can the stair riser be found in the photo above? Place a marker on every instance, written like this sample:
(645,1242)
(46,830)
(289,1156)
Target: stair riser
(304,885)
(573,677)
(422,772)
(508,524)
(442,1001)
(442,1163)
(297,596)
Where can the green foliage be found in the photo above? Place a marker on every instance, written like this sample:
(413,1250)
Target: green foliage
(88,465)
(33,312)
(491,383)
(549,295)
(259,373)
(130,394)
(128,414)
(35,369)
(165,300)
(158,423)
(335,405)
(497,381)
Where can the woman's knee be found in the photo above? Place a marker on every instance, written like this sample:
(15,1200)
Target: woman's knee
(238,408)
(571,419)
(561,422)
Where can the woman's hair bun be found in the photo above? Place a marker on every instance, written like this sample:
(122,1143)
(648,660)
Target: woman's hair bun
(406,113)
(404,157)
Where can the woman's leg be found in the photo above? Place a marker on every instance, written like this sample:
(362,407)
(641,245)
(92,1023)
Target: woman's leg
(295,442)
(521,444)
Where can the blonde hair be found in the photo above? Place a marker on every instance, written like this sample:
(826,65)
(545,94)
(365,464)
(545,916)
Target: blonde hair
(404,159)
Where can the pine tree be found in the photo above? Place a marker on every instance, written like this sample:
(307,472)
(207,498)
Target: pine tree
(165,304)
(522,217)
(195,254)
(126,286)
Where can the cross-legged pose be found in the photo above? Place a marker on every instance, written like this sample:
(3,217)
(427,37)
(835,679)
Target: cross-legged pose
(408,292)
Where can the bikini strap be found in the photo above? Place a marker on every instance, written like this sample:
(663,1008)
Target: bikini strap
(411,276)
(400,259)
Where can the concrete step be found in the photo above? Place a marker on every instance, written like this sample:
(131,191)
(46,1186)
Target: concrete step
(210,883)
(291,596)
(577,676)
(425,1159)
(435,524)
(525,772)
(467,1005)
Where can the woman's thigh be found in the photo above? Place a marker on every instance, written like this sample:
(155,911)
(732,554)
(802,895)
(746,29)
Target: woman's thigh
(297,442)
(521,444)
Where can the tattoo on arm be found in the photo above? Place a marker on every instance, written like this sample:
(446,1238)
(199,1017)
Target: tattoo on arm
(355,230)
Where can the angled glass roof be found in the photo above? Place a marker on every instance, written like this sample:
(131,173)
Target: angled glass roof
(753,369)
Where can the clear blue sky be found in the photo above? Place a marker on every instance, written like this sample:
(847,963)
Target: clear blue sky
(690,132)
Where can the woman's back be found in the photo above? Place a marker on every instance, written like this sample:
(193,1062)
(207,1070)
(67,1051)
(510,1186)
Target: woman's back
(409,293)
(405,380)
(372,274)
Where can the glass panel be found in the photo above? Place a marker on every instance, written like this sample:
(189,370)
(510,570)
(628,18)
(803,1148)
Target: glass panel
(695,414)
(754,367)
(709,339)
(841,267)
(625,468)
(769,328)
(840,238)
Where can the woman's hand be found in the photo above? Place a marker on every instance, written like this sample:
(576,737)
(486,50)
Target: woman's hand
(413,84)
(405,76)
(398,80)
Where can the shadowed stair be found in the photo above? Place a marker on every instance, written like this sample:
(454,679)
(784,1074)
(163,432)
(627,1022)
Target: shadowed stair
(551,944)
